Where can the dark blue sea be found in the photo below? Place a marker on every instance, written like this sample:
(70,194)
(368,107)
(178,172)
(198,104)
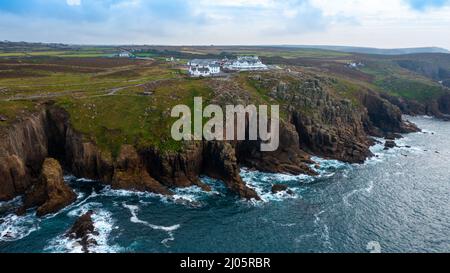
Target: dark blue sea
(398,201)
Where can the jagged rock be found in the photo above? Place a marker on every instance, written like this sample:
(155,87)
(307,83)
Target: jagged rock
(384,116)
(83,230)
(444,103)
(15,178)
(317,122)
(50,194)
(131,174)
(288,158)
(220,162)
(176,169)
(23,148)
(393,136)
(280,187)
(389,144)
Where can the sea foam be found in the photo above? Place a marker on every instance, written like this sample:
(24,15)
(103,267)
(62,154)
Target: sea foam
(13,227)
(103,224)
(134,219)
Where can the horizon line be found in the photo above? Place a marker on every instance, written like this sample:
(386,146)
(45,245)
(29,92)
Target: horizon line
(231,45)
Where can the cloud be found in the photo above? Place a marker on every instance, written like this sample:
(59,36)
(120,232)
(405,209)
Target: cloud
(382,23)
(73,2)
(425,4)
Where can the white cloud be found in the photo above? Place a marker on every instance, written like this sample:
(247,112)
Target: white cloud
(73,2)
(376,23)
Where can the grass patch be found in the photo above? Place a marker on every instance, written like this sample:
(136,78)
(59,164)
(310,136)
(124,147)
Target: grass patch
(142,121)
(11,110)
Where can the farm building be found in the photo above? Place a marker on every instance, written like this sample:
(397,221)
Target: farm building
(125,54)
(203,67)
(245,63)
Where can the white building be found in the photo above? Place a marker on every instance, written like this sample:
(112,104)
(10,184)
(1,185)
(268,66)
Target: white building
(203,67)
(125,54)
(246,63)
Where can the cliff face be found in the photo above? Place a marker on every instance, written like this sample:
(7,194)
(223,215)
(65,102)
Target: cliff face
(48,133)
(325,125)
(439,107)
(316,121)
(444,104)
(328,125)
(383,117)
(289,158)
(23,149)
(50,193)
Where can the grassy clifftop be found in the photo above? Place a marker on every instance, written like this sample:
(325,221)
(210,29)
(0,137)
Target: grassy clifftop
(110,101)
(116,101)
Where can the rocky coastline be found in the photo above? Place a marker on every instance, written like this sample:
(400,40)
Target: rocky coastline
(35,146)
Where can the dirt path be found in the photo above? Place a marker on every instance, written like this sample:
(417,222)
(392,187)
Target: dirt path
(102,93)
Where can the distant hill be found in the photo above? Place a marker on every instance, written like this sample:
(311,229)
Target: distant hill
(380,51)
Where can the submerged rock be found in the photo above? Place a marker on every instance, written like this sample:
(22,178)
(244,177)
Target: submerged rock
(393,136)
(50,194)
(389,144)
(83,231)
(281,187)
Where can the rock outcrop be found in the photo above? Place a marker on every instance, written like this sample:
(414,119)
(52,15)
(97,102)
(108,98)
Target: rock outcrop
(83,231)
(220,162)
(49,133)
(439,107)
(50,194)
(23,149)
(384,117)
(288,158)
(326,125)
(444,104)
(131,174)
(280,188)
(389,144)
(316,121)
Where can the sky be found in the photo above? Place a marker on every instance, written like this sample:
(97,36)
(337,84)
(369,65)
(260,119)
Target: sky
(371,23)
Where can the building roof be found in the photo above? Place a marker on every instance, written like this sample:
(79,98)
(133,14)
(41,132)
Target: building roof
(203,62)
(201,69)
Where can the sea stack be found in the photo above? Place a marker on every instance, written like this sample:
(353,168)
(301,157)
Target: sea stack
(50,194)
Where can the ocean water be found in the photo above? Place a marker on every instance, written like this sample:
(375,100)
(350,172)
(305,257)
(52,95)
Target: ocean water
(398,201)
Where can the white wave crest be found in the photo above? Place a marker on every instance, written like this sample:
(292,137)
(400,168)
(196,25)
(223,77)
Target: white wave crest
(134,219)
(103,224)
(13,227)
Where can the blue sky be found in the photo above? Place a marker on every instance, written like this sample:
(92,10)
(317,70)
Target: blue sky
(376,23)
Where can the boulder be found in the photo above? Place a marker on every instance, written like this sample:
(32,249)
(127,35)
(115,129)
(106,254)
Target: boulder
(389,144)
(393,136)
(50,194)
(83,231)
(280,187)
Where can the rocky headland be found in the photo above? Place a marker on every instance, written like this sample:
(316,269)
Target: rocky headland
(316,120)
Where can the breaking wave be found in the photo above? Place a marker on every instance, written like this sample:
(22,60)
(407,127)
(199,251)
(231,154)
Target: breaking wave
(104,225)
(13,227)
(134,219)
